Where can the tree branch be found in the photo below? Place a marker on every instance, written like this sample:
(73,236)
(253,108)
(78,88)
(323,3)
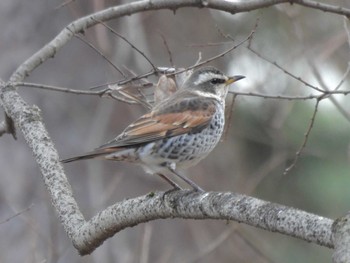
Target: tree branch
(30,123)
(210,205)
(341,237)
(80,25)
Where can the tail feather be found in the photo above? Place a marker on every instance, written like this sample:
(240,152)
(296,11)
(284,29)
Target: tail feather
(89,155)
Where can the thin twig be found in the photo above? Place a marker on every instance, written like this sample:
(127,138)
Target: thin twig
(322,7)
(127,41)
(212,246)
(60,89)
(219,55)
(256,248)
(101,54)
(228,36)
(306,137)
(16,214)
(165,42)
(275,97)
(199,58)
(209,44)
(339,107)
(229,112)
(347,30)
(104,91)
(285,71)
(342,80)
(255,27)
(67,2)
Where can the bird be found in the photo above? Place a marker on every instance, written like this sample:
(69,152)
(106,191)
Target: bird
(177,132)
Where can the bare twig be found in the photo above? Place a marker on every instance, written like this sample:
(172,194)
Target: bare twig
(274,97)
(212,246)
(285,71)
(229,111)
(219,55)
(339,107)
(16,214)
(323,7)
(107,92)
(346,27)
(342,80)
(67,2)
(170,55)
(130,44)
(254,247)
(101,54)
(306,137)
(209,44)
(59,89)
(199,58)
(104,91)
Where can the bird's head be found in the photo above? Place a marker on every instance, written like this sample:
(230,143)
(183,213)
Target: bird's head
(210,82)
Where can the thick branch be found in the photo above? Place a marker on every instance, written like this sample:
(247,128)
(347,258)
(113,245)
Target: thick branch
(211,205)
(341,237)
(30,124)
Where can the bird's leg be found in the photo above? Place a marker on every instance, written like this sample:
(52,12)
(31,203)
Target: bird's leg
(171,182)
(188,181)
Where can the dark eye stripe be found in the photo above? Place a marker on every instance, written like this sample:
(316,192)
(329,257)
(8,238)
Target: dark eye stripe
(217,81)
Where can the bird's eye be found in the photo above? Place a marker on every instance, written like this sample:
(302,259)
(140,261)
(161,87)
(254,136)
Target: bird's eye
(217,81)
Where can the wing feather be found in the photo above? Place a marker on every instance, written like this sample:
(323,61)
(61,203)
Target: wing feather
(171,119)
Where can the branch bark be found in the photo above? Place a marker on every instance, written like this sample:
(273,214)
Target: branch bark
(30,124)
(211,205)
(87,235)
(341,236)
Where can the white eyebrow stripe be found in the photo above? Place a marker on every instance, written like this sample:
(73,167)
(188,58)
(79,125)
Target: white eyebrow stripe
(207,95)
(204,77)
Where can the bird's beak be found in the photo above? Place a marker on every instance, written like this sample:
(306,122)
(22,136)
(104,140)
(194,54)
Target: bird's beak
(234,79)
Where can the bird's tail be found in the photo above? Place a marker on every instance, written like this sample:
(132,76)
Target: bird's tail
(90,155)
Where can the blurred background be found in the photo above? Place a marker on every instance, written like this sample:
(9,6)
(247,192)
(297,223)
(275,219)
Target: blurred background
(262,140)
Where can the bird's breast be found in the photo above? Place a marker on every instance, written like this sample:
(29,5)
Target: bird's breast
(187,149)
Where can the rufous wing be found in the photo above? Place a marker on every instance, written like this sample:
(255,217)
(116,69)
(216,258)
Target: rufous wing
(167,121)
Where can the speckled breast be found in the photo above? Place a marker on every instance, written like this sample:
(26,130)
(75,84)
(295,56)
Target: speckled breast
(188,149)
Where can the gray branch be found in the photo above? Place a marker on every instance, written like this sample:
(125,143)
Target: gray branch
(30,123)
(211,205)
(341,236)
(87,235)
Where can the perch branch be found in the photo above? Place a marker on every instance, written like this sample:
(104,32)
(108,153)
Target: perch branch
(210,205)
